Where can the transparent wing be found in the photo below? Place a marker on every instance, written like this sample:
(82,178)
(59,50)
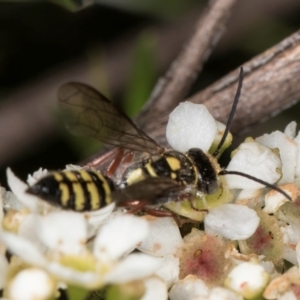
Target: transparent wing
(155,190)
(91,114)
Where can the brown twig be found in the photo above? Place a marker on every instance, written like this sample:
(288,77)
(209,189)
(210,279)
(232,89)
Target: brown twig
(176,83)
(271,84)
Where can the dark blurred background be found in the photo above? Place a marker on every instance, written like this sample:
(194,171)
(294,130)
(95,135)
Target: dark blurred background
(120,47)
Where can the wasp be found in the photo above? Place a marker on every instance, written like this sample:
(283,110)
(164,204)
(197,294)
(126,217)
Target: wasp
(90,113)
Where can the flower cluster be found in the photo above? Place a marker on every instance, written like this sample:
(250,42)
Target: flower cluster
(242,242)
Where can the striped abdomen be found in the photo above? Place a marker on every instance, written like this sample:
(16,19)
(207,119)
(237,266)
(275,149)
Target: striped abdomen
(77,190)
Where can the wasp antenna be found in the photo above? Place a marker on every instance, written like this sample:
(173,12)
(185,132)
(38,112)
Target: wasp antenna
(233,109)
(269,185)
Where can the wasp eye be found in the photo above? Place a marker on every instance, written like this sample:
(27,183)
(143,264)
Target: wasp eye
(212,187)
(207,187)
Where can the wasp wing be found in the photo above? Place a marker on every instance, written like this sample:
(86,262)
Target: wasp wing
(154,190)
(91,114)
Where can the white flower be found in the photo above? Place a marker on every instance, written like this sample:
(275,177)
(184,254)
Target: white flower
(169,271)
(31,284)
(288,153)
(163,240)
(155,289)
(164,237)
(248,279)
(63,252)
(256,160)
(19,188)
(189,288)
(36,176)
(191,125)
(274,200)
(232,221)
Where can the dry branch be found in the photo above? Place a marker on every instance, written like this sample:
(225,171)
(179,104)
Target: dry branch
(271,84)
(176,83)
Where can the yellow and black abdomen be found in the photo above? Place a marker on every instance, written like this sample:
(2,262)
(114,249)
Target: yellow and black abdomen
(77,190)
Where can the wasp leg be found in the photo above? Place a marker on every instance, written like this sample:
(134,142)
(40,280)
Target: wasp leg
(95,163)
(134,206)
(128,157)
(163,213)
(119,158)
(156,212)
(115,162)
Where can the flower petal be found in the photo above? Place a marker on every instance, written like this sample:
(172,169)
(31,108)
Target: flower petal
(254,159)
(133,267)
(155,289)
(288,153)
(63,231)
(274,200)
(119,235)
(88,279)
(164,237)
(191,287)
(169,271)
(248,279)
(23,248)
(36,176)
(18,187)
(97,217)
(31,284)
(290,129)
(232,221)
(297,141)
(9,200)
(190,125)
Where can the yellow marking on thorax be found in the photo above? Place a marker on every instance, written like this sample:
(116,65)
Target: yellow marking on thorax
(135,176)
(174,163)
(173,175)
(150,169)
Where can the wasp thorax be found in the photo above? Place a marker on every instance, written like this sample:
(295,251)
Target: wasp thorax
(207,176)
